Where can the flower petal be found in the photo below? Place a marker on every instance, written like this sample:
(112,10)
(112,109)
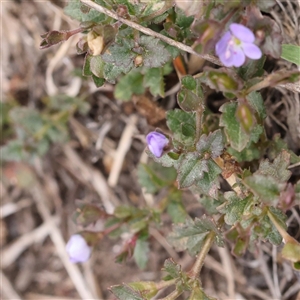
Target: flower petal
(238,57)
(78,249)
(156,143)
(227,60)
(242,33)
(222,44)
(251,50)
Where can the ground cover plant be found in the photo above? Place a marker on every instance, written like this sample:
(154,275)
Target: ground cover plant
(211,145)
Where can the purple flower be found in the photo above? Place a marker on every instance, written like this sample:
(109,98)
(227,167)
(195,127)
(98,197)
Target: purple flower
(156,143)
(78,249)
(236,44)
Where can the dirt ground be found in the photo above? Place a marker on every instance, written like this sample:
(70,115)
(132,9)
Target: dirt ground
(38,199)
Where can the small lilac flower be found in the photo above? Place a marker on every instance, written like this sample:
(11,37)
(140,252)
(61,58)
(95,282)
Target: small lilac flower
(156,143)
(236,44)
(78,249)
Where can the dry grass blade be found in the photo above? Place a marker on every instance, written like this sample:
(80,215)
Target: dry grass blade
(11,208)
(227,265)
(34,296)
(6,288)
(123,147)
(40,198)
(12,251)
(89,176)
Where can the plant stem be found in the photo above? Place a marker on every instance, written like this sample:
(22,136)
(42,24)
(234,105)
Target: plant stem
(200,258)
(163,284)
(112,228)
(175,294)
(199,114)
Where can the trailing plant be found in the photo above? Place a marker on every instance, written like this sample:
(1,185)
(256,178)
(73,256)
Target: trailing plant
(131,44)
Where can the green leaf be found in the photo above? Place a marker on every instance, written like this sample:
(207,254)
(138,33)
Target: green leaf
(248,154)
(124,292)
(240,247)
(167,160)
(87,213)
(237,137)
(175,207)
(224,80)
(209,183)
(62,102)
(277,145)
(182,20)
(14,151)
(148,179)
(277,169)
(86,70)
(121,55)
(189,101)
(256,133)
(254,68)
(124,211)
(210,204)
(74,10)
(172,268)
(291,252)
(97,66)
(183,126)
(129,84)
(233,208)
(269,231)
(198,294)
(256,101)
(189,82)
(192,234)
(154,80)
(265,187)
(245,116)
(27,118)
(191,169)
(148,289)
(190,97)
(213,144)
(155,54)
(98,81)
(141,251)
(291,53)
(111,72)
(152,7)
(153,176)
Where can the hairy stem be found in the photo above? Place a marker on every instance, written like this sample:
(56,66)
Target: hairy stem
(163,284)
(194,272)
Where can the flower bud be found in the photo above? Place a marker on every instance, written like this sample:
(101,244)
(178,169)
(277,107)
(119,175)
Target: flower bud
(156,143)
(95,42)
(78,249)
(138,60)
